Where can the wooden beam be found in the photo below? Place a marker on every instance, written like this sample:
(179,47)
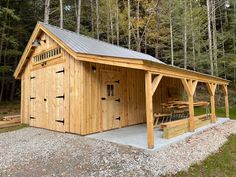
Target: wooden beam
(187,88)
(156,82)
(149,110)
(194,86)
(211,89)
(225,90)
(190,88)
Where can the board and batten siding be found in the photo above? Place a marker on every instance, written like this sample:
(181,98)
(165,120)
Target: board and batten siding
(82,87)
(133,89)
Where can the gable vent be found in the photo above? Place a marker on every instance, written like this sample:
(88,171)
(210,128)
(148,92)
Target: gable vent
(47,55)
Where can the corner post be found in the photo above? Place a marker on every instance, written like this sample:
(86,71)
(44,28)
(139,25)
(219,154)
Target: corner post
(225,90)
(212,89)
(149,109)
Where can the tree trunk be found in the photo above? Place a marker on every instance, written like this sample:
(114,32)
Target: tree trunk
(234,75)
(185,34)
(3,33)
(193,37)
(129,25)
(78,15)
(226,17)
(224,70)
(234,28)
(171,34)
(97,19)
(111,21)
(46,11)
(117,24)
(108,21)
(214,36)
(61,14)
(12,93)
(158,28)
(209,35)
(138,41)
(2,41)
(1,52)
(92,15)
(3,73)
(222,34)
(198,39)
(145,43)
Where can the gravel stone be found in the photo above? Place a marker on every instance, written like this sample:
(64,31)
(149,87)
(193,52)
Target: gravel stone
(38,152)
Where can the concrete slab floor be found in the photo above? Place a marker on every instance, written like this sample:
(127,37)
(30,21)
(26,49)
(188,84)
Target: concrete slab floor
(137,136)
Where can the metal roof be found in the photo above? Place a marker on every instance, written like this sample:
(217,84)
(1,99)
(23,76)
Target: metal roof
(83,44)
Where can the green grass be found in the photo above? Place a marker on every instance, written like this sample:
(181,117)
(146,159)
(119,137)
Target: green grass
(220,112)
(9,129)
(221,164)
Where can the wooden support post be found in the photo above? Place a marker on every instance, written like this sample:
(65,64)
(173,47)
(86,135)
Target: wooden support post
(149,109)
(190,87)
(191,114)
(225,90)
(212,89)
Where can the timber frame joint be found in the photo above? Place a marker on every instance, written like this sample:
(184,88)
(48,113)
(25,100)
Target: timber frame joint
(189,86)
(156,82)
(211,88)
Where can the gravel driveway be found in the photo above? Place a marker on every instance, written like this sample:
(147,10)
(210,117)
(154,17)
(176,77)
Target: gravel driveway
(37,152)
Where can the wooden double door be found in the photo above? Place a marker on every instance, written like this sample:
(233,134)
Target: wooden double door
(47,98)
(112,100)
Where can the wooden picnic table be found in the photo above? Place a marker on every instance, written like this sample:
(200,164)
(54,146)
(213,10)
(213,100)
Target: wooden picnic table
(177,110)
(183,104)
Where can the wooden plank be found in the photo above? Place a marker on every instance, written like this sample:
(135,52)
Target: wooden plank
(174,123)
(149,109)
(175,128)
(155,83)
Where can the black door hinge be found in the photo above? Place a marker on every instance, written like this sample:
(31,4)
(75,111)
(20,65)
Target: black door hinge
(32,98)
(118,118)
(32,77)
(62,96)
(61,71)
(32,117)
(118,81)
(118,100)
(61,121)
(103,98)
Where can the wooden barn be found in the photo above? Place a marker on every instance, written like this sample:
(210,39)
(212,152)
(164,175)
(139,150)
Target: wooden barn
(73,83)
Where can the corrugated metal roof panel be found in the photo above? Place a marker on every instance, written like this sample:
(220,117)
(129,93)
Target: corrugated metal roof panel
(83,44)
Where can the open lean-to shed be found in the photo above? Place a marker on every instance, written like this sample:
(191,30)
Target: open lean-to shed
(73,83)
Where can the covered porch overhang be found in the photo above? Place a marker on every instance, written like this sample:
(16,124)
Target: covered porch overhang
(189,81)
(154,73)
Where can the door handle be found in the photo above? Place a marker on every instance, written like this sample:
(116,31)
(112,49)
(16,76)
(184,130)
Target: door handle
(44,99)
(103,98)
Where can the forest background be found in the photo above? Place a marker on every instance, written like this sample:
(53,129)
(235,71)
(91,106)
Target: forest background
(199,35)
